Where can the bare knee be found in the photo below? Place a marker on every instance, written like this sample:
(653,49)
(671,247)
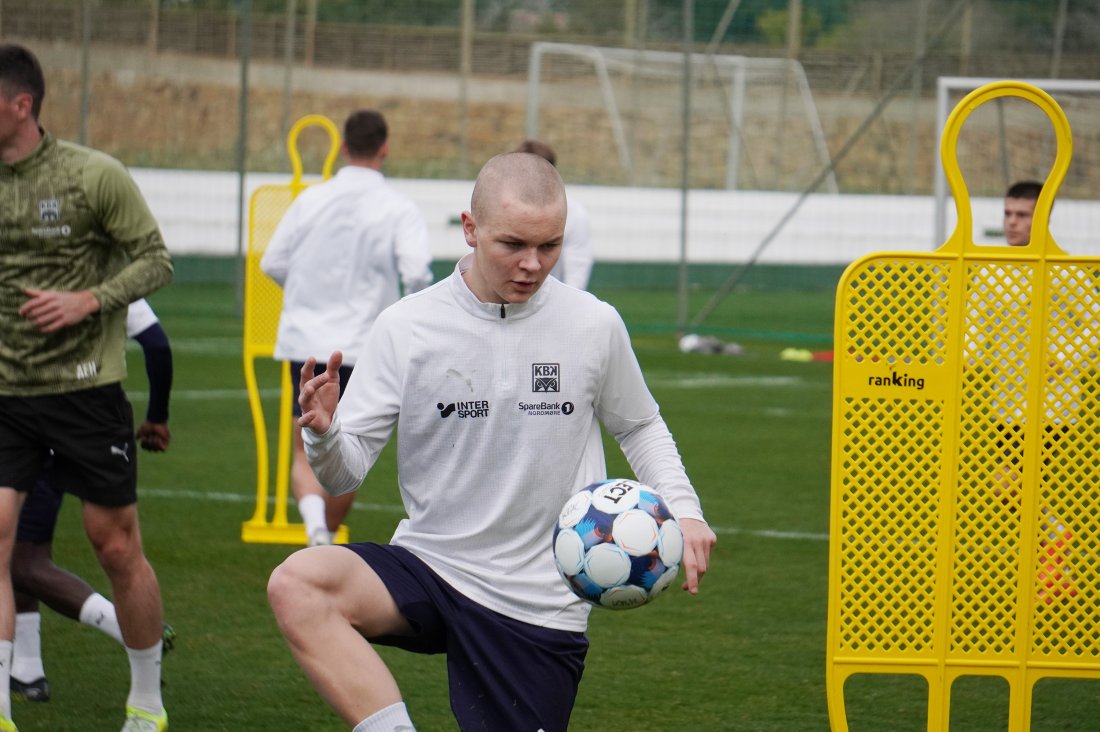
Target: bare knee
(118,554)
(293,592)
(323,585)
(115,538)
(281,586)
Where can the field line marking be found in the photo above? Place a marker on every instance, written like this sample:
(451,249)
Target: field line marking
(227,497)
(773,534)
(198,395)
(665,380)
(681,380)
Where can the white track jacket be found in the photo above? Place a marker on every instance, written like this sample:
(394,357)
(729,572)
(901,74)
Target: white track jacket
(338,252)
(497,409)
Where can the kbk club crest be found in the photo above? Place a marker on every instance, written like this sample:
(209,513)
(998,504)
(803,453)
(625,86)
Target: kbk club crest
(545,377)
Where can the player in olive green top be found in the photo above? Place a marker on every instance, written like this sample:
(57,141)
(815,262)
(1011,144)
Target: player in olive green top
(77,245)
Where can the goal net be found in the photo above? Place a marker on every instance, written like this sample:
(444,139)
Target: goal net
(753,122)
(1009,140)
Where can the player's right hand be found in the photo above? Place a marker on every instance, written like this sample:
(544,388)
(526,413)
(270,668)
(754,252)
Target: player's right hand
(52,310)
(319,395)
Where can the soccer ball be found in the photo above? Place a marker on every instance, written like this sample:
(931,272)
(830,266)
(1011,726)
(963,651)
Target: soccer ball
(617,545)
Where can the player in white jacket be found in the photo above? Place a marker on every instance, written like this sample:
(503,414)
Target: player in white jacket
(497,380)
(343,252)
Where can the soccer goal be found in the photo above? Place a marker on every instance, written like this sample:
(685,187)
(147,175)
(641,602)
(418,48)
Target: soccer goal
(1010,140)
(753,121)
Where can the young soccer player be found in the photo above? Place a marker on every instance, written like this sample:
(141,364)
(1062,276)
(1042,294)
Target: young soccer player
(469,572)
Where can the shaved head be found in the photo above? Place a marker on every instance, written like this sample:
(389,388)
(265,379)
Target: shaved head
(515,225)
(525,177)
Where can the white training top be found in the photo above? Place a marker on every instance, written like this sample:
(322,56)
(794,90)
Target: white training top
(338,253)
(496,408)
(575,263)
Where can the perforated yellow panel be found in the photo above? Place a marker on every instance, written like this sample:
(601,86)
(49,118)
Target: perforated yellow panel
(966,458)
(263,303)
(263,296)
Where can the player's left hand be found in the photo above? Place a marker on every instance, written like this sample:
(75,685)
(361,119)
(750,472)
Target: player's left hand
(154,436)
(52,310)
(699,539)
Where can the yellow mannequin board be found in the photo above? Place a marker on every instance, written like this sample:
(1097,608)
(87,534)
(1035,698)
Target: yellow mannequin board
(263,302)
(964,529)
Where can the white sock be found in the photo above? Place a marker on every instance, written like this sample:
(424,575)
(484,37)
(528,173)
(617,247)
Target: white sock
(98,612)
(6,648)
(312,509)
(394,718)
(26,662)
(145,679)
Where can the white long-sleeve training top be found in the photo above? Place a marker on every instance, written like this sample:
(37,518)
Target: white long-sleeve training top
(574,266)
(497,410)
(340,252)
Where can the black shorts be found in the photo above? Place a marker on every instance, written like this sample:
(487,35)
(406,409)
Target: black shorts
(38,519)
(296,379)
(91,435)
(504,674)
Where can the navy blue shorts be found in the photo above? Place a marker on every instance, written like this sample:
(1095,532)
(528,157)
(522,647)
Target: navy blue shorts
(90,433)
(503,674)
(296,379)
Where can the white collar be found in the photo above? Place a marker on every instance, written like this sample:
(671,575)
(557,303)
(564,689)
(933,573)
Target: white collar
(493,310)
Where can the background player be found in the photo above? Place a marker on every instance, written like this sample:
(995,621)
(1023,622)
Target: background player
(1020,201)
(1054,577)
(34,573)
(341,253)
(574,266)
(80,245)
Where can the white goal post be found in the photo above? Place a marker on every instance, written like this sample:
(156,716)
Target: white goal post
(635,88)
(1018,146)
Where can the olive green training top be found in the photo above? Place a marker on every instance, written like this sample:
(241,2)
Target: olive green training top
(71,219)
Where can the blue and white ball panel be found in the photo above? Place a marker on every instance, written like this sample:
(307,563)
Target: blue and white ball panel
(635,532)
(670,543)
(585,588)
(664,581)
(595,528)
(646,572)
(574,509)
(652,504)
(569,551)
(607,565)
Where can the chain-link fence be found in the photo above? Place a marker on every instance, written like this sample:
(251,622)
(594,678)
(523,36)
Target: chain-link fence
(162,79)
